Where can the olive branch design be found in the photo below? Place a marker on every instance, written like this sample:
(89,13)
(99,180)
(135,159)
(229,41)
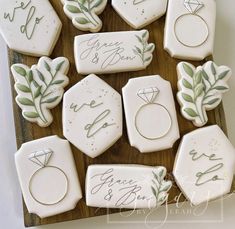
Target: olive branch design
(82,11)
(201,89)
(160,187)
(144,51)
(39,88)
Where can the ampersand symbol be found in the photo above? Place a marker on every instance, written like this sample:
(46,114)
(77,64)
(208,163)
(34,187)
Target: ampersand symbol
(95,60)
(109,196)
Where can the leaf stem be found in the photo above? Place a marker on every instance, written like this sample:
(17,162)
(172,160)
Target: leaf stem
(50,83)
(196,105)
(89,11)
(81,8)
(35,107)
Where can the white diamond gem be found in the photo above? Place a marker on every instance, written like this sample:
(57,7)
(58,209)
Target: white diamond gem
(193,6)
(41,158)
(148,94)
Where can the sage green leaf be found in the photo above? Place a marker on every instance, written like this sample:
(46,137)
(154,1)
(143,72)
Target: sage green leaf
(161,173)
(40,75)
(154,191)
(21,71)
(144,35)
(166,187)
(223,74)
(187,84)
(213,69)
(51,100)
(23,88)
(221,88)
(191,112)
(199,89)
(83,7)
(156,177)
(138,50)
(58,67)
(82,1)
(81,20)
(31,114)
(98,2)
(37,92)
(155,183)
(35,84)
(25,101)
(135,52)
(188,69)
(47,67)
(198,77)
(138,38)
(58,82)
(213,101)
(30,76)
(187,98)
(205,75)
(148,59)
(150,47)
(162,199)
(73,9)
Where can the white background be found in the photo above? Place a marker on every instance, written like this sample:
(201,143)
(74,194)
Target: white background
(11,216)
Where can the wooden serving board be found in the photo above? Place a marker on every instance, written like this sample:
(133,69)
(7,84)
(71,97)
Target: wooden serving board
(121,152)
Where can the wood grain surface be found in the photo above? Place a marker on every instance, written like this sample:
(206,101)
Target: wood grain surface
(121,152)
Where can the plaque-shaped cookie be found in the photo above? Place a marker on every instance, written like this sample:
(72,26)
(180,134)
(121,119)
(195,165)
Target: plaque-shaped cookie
(150,114)
(190,28)
(48,176)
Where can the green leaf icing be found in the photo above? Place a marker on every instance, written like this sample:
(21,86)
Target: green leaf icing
(160,187)
(84,13)
(40,88)
(201,89)
(144,50)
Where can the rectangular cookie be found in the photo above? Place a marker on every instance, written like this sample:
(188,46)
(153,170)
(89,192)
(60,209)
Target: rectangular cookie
(126,186)
(112,52)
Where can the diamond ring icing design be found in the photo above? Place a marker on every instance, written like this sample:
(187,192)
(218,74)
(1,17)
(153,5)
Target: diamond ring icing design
(199,33)
(152,129)
(38,186)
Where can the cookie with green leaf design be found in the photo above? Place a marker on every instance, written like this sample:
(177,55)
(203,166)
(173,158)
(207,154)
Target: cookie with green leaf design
(201,89)
(40,88)
(84,13)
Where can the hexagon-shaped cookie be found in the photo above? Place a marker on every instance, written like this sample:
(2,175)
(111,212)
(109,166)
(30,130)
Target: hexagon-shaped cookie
(140,13)
(30,27)
(48,176)
(92,116)
(204,165)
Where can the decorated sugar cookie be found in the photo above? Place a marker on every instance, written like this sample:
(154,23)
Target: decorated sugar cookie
(113,52)
(48,176)
(84,13)
(204,165)
(111,186)
(139,13)
(92,116)
(201,89)
(190,28)
(40,88)
(150,114)
(30,27)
